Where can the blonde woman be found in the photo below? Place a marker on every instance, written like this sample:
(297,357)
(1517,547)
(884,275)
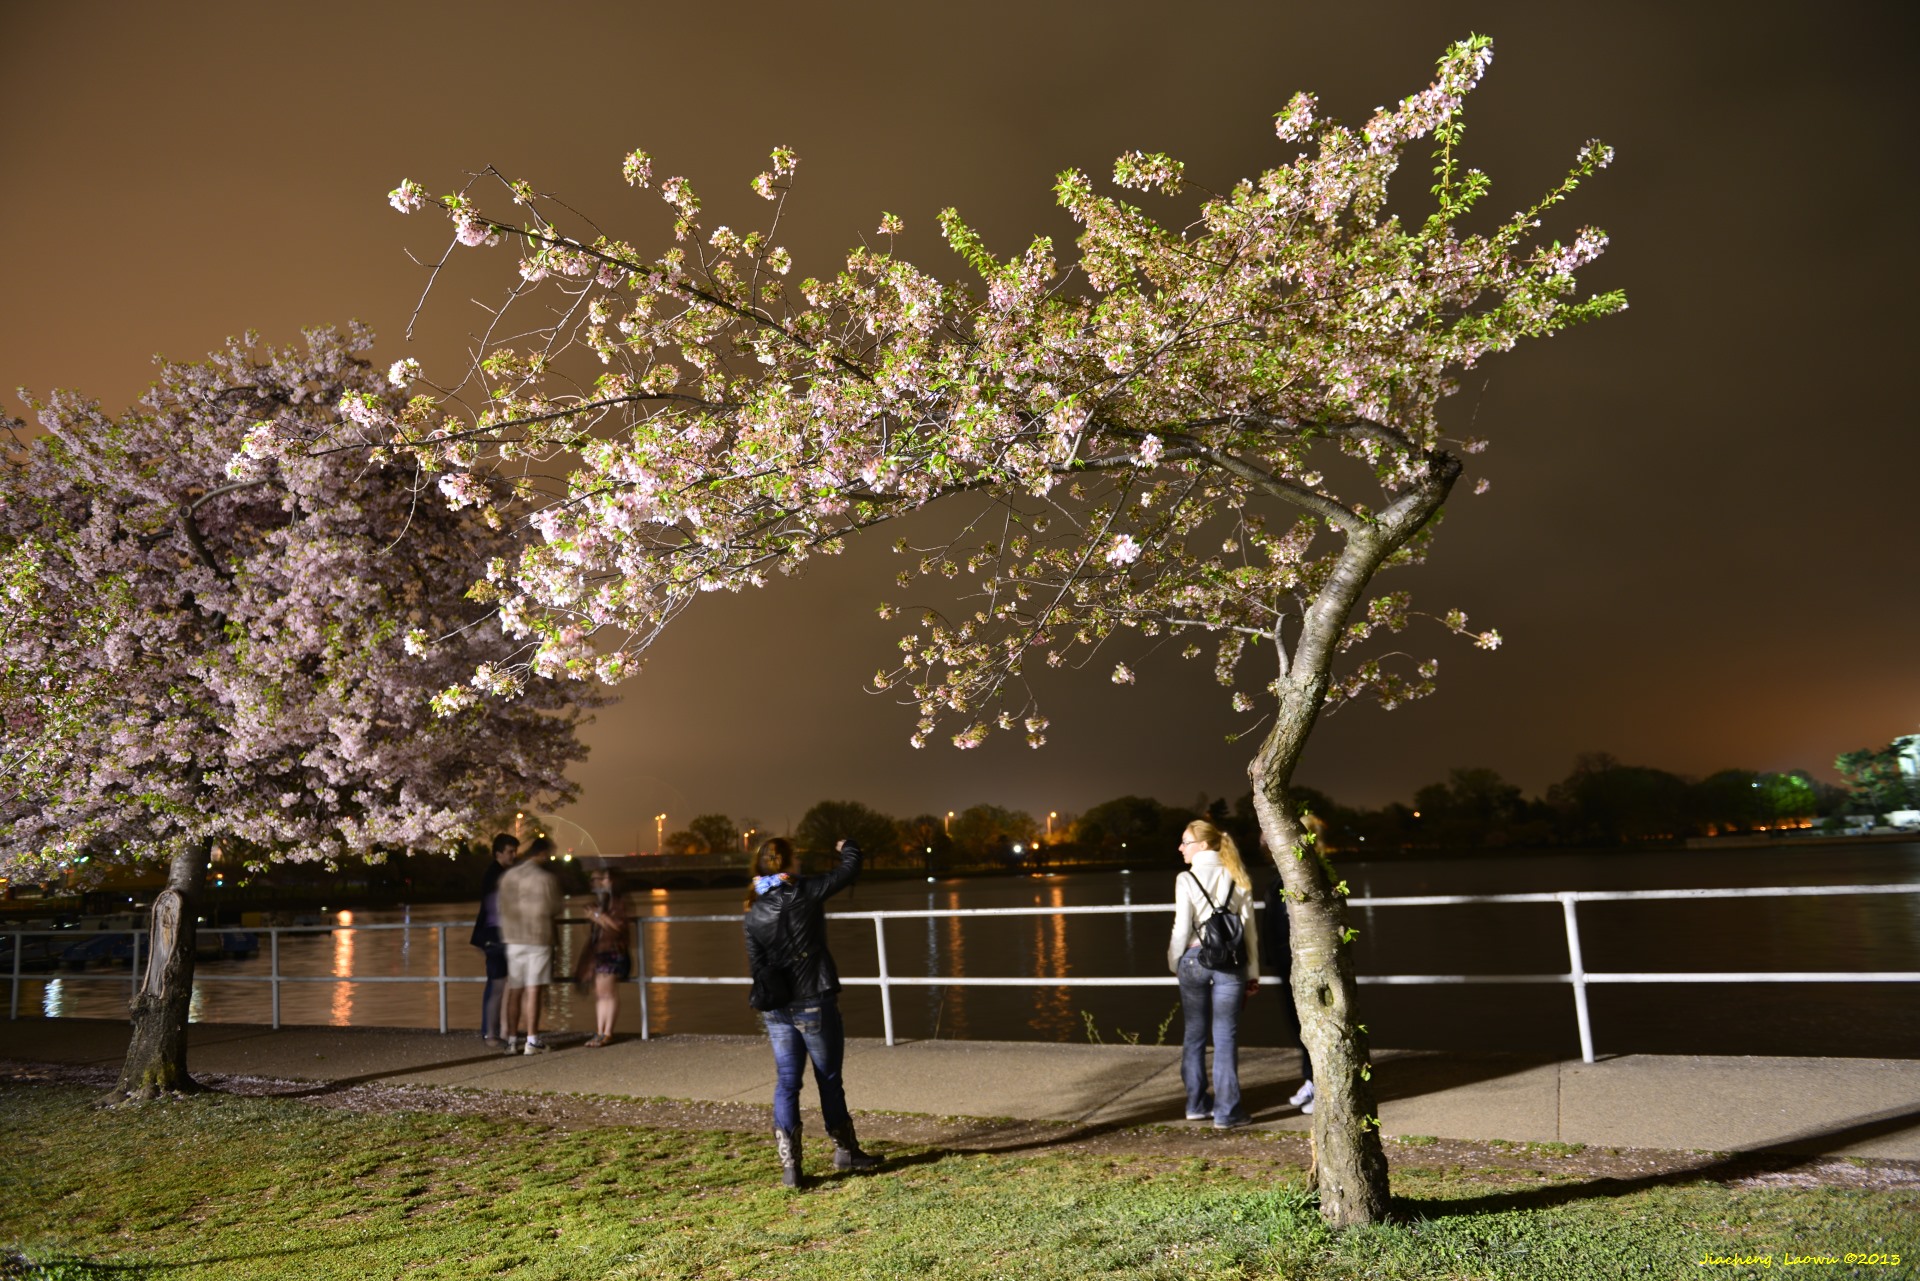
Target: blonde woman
(1210,998)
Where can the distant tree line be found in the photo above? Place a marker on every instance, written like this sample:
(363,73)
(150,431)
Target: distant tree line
(1602,801)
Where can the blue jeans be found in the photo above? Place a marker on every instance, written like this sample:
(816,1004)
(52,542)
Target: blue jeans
(809,1029)
(1210,1003)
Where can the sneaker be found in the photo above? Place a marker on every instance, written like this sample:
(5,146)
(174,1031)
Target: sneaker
(1199,1116)
(1232,1122)
(536,1046)
(513,1045)
(1302,1095)
(1306,1109)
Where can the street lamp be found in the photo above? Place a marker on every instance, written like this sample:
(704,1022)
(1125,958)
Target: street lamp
(949,824)
(659,833)
(746,840)
(1051,815)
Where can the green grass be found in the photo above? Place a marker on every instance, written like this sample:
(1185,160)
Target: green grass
(248,1188)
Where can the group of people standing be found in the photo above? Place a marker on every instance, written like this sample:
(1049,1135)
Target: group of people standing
(520,902)
(1215,950)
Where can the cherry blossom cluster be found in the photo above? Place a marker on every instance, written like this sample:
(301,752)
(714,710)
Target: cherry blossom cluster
(1145,431)
(214,631)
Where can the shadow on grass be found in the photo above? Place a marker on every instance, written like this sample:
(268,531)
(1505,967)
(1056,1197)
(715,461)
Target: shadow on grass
(319,1089)
(1791,1153)
(15,1266)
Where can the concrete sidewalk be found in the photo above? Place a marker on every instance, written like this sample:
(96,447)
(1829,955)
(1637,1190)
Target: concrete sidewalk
(1841,1107)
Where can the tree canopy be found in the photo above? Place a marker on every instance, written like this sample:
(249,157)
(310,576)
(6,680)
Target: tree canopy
(210,644)
(1883,778)
(1155,431)
(829,822)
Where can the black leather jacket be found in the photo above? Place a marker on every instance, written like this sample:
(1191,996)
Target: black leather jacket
(803,901)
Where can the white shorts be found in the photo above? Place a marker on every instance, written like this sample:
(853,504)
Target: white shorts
(529,965)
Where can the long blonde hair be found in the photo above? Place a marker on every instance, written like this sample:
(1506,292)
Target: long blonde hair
(1221,843)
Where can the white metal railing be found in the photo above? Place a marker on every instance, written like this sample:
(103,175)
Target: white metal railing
(440,978)
(1576,975)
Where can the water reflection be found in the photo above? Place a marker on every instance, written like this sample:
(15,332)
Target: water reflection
(1053,1007)
(935,995)
(954,999)
(659,954)
(340,1010)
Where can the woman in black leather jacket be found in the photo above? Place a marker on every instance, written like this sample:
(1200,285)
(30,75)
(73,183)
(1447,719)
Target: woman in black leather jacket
(787,937)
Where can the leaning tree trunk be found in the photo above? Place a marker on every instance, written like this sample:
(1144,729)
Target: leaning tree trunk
(157,1056)
(1350,1165)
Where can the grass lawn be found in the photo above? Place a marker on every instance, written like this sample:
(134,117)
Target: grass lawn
(222,1186)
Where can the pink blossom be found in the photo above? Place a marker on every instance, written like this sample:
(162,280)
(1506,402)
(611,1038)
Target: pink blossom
(408,196)
(463,489)
(472,232)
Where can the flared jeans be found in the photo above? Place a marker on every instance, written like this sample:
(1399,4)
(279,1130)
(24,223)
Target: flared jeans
(1210,1002)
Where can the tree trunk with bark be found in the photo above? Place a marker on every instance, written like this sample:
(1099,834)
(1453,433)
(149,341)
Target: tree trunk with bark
(1350,1165)
(156,1062)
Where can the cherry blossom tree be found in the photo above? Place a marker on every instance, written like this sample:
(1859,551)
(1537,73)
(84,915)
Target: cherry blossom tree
(1209,434)
(206,650)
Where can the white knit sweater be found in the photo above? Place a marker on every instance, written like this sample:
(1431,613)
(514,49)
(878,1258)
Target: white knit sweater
(1190,910)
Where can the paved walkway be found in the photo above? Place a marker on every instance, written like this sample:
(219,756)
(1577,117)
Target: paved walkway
(1850,1107)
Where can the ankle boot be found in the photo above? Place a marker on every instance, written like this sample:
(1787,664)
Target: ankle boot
(789,1144)
(846,1150)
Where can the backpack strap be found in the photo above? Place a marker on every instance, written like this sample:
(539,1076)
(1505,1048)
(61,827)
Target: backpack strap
(1203,893)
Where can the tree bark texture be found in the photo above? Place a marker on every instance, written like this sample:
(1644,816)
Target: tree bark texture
(1350,1165)
(156,1062)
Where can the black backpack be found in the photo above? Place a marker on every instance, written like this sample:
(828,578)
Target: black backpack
(1223,938)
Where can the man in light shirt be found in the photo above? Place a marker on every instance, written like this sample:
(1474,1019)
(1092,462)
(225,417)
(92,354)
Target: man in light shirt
(529,898)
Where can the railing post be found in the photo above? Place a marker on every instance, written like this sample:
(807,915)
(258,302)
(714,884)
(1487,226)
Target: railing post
(886,988)
(440,938)
(273,943)
(640,972)
(1577,971)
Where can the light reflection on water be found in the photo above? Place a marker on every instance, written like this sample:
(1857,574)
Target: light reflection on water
(340,1014)
(1053,1007)
(1842,933)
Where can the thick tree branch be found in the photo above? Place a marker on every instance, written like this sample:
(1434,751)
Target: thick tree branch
(191,529)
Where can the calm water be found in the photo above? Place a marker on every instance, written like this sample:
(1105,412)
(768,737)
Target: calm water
(1847,933)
